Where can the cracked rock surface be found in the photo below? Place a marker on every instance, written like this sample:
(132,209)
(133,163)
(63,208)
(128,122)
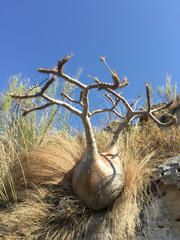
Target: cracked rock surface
(161,218)
(169,172)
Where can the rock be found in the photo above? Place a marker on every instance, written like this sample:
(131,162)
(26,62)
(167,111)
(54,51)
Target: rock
(161,219)
(112,126)
(164,115)
(177,114)
(169,172)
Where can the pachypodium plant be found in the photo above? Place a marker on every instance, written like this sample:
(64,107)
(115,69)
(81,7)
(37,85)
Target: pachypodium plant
(98,179)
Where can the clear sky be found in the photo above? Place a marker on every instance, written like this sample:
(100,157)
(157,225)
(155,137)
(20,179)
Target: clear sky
(139,38)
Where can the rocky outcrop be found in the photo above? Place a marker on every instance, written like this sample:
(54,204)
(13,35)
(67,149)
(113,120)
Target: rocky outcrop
(177,114)
(169,172)
(163,116)
(161,219)
(113,125)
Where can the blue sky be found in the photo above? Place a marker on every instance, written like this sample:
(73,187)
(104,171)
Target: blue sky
(139,38)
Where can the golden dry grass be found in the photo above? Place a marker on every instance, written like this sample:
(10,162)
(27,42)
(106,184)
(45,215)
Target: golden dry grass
(39,202)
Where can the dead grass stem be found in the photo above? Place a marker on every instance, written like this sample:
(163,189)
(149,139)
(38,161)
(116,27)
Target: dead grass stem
(39,202)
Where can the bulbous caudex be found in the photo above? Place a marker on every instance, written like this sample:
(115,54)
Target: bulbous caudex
(98,179)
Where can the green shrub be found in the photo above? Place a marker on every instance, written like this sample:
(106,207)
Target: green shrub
(31,130)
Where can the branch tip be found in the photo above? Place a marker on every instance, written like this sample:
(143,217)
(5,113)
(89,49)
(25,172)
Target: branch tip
(102,59)
(62,61)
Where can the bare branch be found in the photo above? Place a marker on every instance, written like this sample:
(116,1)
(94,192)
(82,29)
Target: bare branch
(108,97)
(72,80)
(133,118)
(49,99)
(85,111)
(37,85)
(103,60)
(132,115)
(31,95)
(148,98)
(117,82)
(48,70)
(63,75)
(26,111)
(70,99)
(168,124)
(25,95)
(45,87)
(62,61)
(84,102)
(124,83)
(81,95)
(100,111)
(135,101)
(118,114)
(95,79)
(107,109)
(121,126)
(117,101)
(112,101)
(59,71)
(62,104)
(101,85)
(163,107)
(118,96)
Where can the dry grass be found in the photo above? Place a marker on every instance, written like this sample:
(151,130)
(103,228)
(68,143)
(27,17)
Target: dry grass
(38,198)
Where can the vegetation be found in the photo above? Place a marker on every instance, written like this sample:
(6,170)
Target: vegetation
(98,179)
(36,194)
(47,207)
(26,132)
(167,93)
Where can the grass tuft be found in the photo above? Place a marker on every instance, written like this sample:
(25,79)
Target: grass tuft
(36,196)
